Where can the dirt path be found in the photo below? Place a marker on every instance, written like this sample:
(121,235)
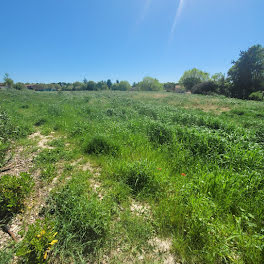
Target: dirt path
(22,161)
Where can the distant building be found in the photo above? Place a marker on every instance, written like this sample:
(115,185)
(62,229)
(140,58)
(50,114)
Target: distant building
(2,84)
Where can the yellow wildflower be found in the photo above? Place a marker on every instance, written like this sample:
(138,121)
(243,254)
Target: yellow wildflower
(53,242)
(45,255)
(55,234)
(41,233)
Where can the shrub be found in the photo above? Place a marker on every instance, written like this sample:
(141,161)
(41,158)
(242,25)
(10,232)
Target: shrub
(257,96)
(20,86)
(159,133)
(110,112)
(122,86)
(38,243)
(13,191)
(149,84)
(140,176)
(25,106)
(101,145)
(209,87)
(40,122)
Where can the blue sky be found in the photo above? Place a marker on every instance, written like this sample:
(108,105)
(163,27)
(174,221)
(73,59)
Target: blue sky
(67,40)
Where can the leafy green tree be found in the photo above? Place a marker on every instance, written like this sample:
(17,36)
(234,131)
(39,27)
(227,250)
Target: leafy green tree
(222,83)
(124,86)
(8,81)
(193,77)
(91,86)
(218,78)
(109,83)
(101,86)
(78,86)
(247,73)
(121,86)
(150,84)
(20,86)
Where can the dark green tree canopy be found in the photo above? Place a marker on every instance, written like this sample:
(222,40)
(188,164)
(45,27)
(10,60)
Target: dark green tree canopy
(109,83)
(209,87)
(247,73)
(91,86)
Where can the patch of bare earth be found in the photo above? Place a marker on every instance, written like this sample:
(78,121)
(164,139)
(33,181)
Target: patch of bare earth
(209,108)
(42,141)
(141,209)
(19,163)
(156,250)
(162,250)
(160,95)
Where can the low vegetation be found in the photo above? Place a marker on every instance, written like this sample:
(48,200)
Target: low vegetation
(128,168)
(13,191)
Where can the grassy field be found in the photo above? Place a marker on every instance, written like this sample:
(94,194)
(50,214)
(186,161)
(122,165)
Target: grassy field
(131,177)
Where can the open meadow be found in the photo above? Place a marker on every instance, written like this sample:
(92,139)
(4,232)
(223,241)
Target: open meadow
(130,177)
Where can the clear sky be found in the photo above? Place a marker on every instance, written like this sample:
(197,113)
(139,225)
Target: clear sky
(67,40)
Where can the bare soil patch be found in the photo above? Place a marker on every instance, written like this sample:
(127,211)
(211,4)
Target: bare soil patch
(209,108)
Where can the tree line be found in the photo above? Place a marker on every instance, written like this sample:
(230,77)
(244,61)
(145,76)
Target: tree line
(244,80)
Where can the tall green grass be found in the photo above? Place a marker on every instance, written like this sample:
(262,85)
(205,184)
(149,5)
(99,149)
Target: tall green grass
(202,172)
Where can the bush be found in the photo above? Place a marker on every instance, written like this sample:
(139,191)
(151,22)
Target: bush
(150,84)
(40,122)
(20,86)
(140,176)
(13,191)
(101,145)
(159,133)
(122,86)
(38,243)
(257,96)
(209,87)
